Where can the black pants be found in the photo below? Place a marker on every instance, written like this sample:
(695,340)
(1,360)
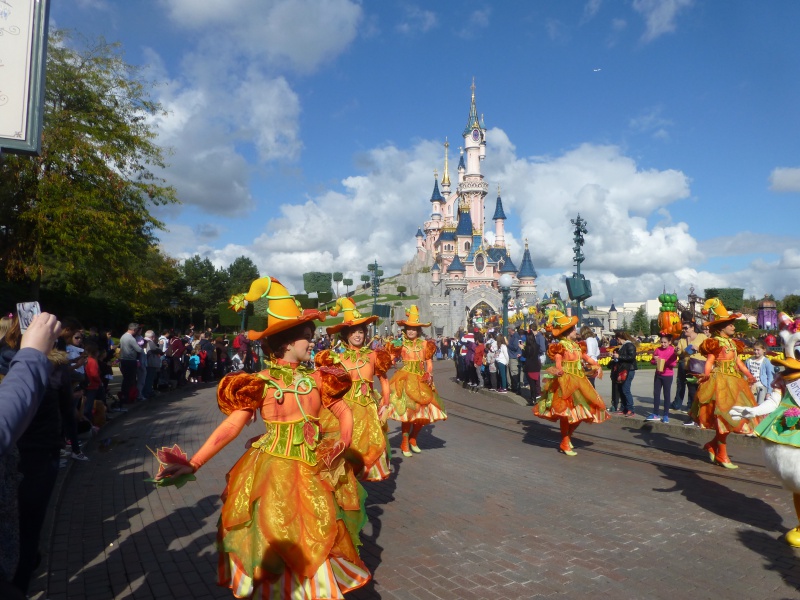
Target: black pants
(39,470)
(661,383)
(128,369)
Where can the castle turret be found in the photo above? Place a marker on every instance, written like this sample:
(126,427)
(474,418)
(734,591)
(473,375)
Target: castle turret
(464,231)
(613,323)
(420,237)
(436,273)
(499,219)
(436,199)
(527,277)
(462,168)
(446,174)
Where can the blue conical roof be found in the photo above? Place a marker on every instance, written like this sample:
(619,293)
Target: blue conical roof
(464,224)
(435,267)
(456,265)
(498,211)
(419,233)
(461,165)
(526,268)
(613,308)
(508,266)
(436,196)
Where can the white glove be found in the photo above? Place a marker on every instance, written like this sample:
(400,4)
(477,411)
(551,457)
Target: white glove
(765,408)
(738,413)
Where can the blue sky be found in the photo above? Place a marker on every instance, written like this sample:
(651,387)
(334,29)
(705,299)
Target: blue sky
(305,133)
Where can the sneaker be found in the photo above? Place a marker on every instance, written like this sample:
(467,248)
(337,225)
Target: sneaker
(503,391)
(652,417)
(630,413)
(690,424)
(665,419)
(80,456)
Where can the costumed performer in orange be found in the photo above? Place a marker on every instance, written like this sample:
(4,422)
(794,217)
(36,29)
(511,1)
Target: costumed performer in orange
(368,452)
(567,395)
(725,383)
(281,533)
(412,395)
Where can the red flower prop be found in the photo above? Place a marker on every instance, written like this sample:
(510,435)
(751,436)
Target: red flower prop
(172,456)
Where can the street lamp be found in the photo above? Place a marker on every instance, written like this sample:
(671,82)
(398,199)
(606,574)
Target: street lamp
(505,282)
(244,315)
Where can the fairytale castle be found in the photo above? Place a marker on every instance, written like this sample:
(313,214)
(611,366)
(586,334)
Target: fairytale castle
(455,271)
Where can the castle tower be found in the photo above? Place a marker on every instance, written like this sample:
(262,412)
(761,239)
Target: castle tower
(499,219)
(436,199)
(464,230)
(613,323)
(446,175)
(527,276)
(473,188)
(456,287)
(462,168)
(420,237)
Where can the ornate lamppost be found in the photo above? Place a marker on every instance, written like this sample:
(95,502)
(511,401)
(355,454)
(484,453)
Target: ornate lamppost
(578,287)
(505,282)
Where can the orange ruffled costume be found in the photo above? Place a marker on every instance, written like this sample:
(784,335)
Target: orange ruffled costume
(727,386)
(369,448)
(281,532)
(569,395)
(412,394)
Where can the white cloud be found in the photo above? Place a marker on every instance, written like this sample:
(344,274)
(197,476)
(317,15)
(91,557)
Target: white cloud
(590,9)
(659,16)
(652,123)
(307,33)
(417,20)
(785,179)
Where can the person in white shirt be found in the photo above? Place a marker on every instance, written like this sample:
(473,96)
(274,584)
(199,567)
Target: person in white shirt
(592,347)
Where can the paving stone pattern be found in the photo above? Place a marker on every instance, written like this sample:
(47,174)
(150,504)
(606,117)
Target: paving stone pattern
(488,510)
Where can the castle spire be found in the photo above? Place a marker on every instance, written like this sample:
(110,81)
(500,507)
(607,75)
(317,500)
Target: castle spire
(472,120)
(446,176)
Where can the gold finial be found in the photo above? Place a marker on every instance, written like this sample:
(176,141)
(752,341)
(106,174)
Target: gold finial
(446,176)
(436,174)
(472,87)
(526,243)
(498,190)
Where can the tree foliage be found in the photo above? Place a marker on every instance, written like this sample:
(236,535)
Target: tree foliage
(790,304)
(79,215)
(316,281)
(348,283)
(241,273)
(401,290)
(732,298)
(640,324)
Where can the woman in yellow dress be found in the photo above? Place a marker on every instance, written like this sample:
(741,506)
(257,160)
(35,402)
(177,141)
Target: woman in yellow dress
(726,383)
(281,533)
(368,452)
(567,395)
(412,395)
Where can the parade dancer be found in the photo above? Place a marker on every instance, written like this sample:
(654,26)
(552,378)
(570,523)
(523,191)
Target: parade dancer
(567,395)
(780,429)
(413,399)
(281,534)
(368,452)
(726,383)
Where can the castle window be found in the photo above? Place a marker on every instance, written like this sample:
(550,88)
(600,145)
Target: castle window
(466,246)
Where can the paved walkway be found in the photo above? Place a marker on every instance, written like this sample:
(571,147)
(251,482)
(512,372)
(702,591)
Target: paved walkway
(488,510)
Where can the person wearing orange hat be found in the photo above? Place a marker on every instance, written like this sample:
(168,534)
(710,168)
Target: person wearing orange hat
(567,395)
(281,533)
(368,451)
(779,429)
(725,383)
(413,399)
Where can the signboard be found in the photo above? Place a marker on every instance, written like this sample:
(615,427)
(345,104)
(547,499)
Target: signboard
(23,53)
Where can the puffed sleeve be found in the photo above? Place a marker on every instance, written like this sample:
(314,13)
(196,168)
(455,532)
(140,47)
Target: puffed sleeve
(333,382)
(383,362)
(323,358)
(239,391)
(554,349)
(740,347)
(709,346)
(583,347)
(429,351)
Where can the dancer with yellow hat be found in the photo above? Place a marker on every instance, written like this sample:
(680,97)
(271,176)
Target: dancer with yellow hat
(725,383)
(780,428)
(367,452)
(281,533)
(412,395)
(567,395)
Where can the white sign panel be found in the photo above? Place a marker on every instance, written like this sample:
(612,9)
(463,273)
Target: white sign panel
(22,53)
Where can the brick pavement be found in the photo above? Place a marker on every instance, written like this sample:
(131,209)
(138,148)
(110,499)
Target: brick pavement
(489,510)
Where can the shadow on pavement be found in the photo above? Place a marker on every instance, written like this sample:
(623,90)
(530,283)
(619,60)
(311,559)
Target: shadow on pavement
(778,555)
(721,500)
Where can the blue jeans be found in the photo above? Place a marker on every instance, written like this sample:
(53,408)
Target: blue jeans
(501,368)
(625,396)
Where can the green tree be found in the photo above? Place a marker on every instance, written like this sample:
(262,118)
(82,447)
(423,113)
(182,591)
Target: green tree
(789,304)
(640,325)
(81,211)
(401,290)
(348,283)
(337,278)
(316,281)
(732,298)
(365,279)
(241,273)
(625,326)
(204,287)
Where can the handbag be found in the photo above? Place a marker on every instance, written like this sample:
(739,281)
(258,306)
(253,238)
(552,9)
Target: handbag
(696,366)
(622,376)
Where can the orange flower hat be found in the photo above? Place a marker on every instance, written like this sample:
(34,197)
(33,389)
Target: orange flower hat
(720,315)
(283,311)
(412,318)
(351,316)
(558,323)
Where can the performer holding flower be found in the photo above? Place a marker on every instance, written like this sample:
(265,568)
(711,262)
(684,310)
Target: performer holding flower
(726,383)
(368,450)
(412,395)
(281,533)
(567,395)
